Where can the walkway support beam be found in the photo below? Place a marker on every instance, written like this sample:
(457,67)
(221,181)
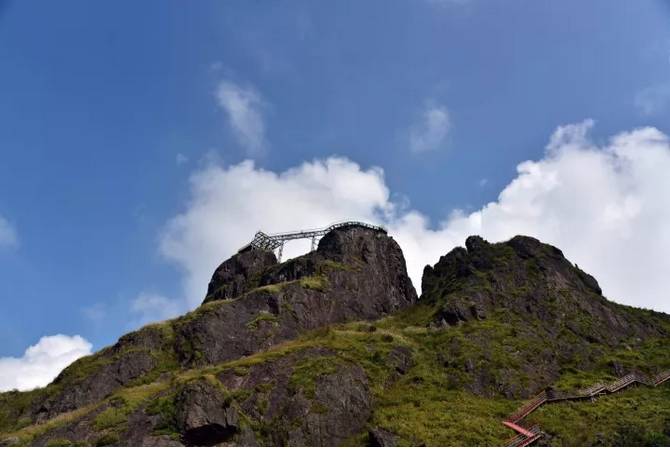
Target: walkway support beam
(272,242)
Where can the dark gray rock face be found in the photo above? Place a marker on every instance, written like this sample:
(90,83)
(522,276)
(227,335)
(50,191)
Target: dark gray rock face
(279,402)
(92,378)
(381,438)
(203,415)
(239,274)
(356,274)
(326,411)
(553,312)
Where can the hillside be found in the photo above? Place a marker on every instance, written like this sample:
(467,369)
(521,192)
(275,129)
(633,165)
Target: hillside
(334,348)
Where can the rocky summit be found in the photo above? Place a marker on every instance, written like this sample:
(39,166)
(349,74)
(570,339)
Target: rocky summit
(335,348)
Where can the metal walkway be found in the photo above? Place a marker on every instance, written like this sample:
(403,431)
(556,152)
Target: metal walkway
(526,436)
(271,242)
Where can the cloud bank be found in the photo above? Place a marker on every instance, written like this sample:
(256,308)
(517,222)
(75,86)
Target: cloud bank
(653,99)
(430,132)
(148,307)
(42,362)
(243,107)
(605,205)
(8,235)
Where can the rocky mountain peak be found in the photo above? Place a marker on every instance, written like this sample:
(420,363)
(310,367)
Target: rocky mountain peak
(342,249)
(529,278)
(238,273)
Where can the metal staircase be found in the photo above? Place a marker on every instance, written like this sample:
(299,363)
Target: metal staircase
(528,435)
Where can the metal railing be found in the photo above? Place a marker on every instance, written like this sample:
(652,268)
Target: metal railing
(621,383)
(271,242)
(661,378)
(522,440)
(592,391)
(528,408)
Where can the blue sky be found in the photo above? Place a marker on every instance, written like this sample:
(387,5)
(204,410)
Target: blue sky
(117,115)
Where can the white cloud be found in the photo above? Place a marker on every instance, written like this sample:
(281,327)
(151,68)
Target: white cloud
(150,307)
(243,107)
(430,132)
(96,313)
(42,362)
(229,204)
(653,99)
(181,159)
(8,235)
(606,206)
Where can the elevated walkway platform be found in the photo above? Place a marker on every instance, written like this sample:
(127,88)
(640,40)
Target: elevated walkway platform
(272,242)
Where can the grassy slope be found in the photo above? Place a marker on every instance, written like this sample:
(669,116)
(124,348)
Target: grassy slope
(428,404)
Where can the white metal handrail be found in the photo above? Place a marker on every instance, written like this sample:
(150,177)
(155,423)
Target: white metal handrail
(271,242)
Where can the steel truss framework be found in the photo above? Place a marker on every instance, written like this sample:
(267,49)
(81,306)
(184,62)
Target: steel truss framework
(271,242)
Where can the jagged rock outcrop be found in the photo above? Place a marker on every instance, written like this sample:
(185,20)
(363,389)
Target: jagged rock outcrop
(304,411)
(560,316)
(355,274)
(203,415)
(531,279)
(381,438)
(239,274)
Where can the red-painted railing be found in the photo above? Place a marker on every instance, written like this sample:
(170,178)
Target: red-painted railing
(521,440)
(527,436)
(528,408)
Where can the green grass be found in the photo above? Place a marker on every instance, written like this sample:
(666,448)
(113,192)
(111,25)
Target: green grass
(27,434)
(124,402)
(59,442)
(332,265)
(431,414)
(271,288)
(15,407)
(164,407)
(263,316)
(317,282)
(107,439)
(307,371)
